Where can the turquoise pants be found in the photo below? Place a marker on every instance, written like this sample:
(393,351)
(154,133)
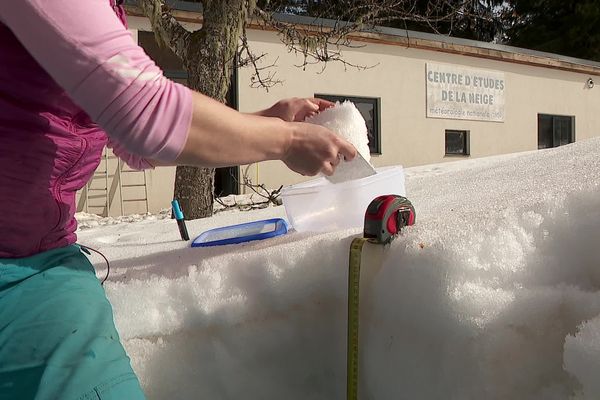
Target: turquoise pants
(57,335)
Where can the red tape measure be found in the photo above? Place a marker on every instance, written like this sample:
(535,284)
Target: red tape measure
(385,217)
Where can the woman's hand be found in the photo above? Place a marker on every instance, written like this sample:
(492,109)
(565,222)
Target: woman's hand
(313,149)
(296,109)
(220,136)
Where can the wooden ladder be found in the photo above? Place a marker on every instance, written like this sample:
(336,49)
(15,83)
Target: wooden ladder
(124,169)
(104,192)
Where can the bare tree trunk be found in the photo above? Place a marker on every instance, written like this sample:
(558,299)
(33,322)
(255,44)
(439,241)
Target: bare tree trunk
(208,57)
(194,191)
(209,62)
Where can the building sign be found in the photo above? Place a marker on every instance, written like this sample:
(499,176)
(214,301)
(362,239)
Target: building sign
(464,93)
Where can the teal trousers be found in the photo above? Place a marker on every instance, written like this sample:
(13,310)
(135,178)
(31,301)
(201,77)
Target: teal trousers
(57,335)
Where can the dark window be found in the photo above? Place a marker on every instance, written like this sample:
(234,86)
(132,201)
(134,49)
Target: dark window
(369,107)
(555,130)
(457,142)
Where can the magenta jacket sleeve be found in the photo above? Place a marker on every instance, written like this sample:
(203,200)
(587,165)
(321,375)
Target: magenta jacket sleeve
(134,161)
(85,48)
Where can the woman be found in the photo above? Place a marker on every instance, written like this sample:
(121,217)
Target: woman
(71,80)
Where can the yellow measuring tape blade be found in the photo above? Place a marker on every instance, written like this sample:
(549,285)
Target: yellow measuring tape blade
(353,317)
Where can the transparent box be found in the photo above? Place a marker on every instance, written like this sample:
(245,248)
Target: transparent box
(320,206)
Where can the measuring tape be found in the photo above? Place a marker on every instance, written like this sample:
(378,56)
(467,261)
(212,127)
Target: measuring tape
(385,217)
(353,317)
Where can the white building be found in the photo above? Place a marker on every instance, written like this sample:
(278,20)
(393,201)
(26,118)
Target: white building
(426,99)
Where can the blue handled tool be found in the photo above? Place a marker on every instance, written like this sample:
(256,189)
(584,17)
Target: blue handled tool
(180,220)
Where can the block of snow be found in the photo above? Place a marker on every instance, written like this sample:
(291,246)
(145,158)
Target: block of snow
(493,294)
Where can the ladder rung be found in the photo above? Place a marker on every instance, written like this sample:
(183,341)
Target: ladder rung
(110,173)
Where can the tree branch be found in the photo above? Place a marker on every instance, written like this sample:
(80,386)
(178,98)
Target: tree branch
(323,43)
(316,44)
(167,30)
(247,57)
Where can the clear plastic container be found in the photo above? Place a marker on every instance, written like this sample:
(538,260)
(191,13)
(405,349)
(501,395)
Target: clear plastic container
(319,205)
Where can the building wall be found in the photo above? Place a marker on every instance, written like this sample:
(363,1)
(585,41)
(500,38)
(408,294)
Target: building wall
(397,75)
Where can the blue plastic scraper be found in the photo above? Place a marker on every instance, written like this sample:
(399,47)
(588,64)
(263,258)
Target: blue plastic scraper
(241,233)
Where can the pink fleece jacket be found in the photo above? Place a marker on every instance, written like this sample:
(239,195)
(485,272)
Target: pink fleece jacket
(70,73)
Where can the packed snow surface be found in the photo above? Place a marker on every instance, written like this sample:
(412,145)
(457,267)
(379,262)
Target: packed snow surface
(493,294)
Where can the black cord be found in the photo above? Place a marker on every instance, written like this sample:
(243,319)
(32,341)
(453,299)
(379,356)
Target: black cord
(105,259)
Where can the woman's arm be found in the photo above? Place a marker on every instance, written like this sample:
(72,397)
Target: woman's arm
(221,136)
(93,57)
(270,134)
(296,109)
(86,49)
(290,110)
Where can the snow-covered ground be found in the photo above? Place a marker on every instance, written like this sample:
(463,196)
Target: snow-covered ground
(493,294)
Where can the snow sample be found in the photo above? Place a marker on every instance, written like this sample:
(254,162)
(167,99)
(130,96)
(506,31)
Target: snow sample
(345,120)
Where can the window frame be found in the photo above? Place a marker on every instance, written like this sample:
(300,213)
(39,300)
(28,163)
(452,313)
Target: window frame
(466,143)
(375,102)
(553,118)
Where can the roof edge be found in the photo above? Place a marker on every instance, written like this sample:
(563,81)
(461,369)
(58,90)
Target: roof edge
(191,12)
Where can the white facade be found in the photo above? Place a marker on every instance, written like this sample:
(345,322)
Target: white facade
(525,89)
(399,79)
